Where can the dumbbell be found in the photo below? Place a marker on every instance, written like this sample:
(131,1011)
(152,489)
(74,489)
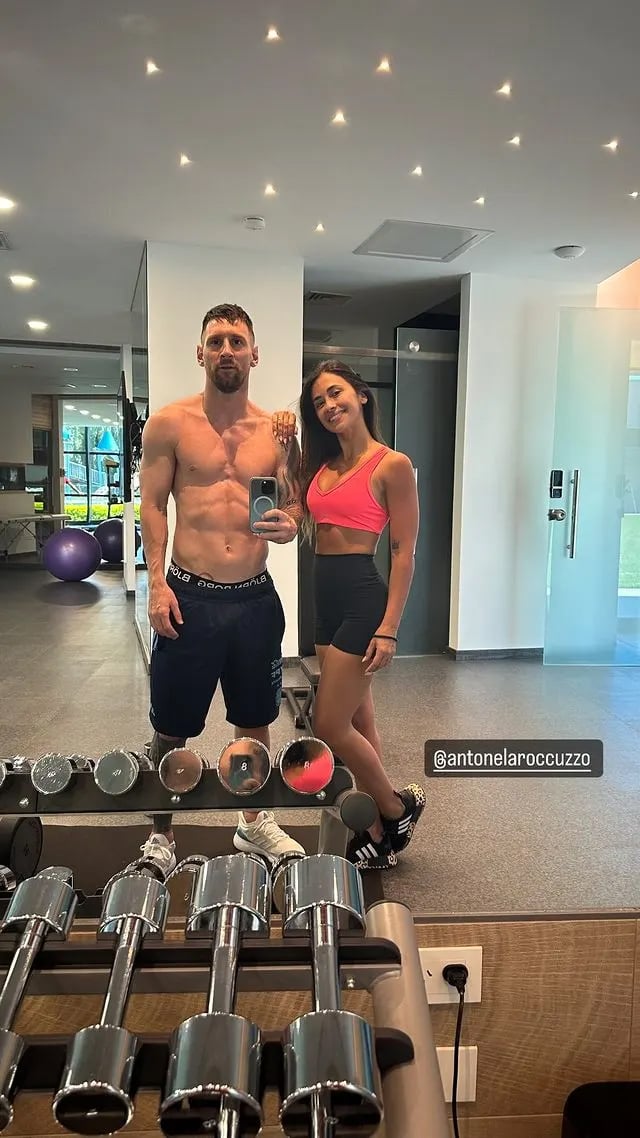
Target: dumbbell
(41,907)
(16,765)
(331,1079)
(213,1074)
(94,1095)
(116,772)
(244,766)
(52,773)
(181,769)
(306,765)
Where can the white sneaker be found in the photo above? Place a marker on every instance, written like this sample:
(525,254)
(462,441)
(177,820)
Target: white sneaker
(160,851)
(264,836)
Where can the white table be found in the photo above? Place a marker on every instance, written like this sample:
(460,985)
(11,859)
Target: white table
(22,524)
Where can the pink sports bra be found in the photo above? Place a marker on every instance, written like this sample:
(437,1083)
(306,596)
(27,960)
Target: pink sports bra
(350,502)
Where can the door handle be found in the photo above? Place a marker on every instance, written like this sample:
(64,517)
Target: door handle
(574,482)
(557,515)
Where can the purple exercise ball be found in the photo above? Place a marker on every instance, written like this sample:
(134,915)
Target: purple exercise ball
(109,536)
(71,554)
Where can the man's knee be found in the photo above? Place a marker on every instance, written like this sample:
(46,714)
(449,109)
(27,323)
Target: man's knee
(161,745)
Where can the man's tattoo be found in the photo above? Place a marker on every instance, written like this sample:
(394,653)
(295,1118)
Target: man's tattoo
(395,545)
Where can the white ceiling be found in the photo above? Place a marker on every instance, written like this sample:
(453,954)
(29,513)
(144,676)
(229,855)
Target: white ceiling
(69,372)
(89,144)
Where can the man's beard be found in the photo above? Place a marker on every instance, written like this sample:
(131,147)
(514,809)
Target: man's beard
(227,380)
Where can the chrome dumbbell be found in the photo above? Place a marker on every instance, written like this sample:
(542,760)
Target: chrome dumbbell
(42,906)
(16,765)
(213,1074)
(181,769)
(306,765)
(244,766)
(53,773)
(94,1096)
(330,1069)
(116,772)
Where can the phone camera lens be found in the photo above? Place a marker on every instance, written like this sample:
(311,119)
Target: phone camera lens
(265,487)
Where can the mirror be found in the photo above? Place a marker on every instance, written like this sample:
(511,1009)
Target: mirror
(244,766)
(140,398)
(306,765)
(181,770)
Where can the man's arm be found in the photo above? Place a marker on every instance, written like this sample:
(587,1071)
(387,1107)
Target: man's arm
(288,479)
(157,471)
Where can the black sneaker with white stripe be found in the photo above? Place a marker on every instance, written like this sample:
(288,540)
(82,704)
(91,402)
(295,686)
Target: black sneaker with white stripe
(400,830)
(367,854)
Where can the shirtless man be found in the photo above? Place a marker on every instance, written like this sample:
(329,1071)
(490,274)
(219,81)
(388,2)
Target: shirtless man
(216,614)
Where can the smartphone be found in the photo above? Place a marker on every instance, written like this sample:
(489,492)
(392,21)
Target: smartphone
(263,496)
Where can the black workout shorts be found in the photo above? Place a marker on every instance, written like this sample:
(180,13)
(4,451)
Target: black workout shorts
(350,600)
(231,634)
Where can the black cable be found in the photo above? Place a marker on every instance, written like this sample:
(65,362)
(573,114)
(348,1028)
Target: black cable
(456,975)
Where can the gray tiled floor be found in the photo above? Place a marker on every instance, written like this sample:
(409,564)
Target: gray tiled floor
(73,679)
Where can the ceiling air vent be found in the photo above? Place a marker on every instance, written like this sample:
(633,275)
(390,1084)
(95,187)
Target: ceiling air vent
(328,298)
(4,241)
(421,241)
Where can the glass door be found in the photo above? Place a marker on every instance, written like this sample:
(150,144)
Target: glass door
(593,571)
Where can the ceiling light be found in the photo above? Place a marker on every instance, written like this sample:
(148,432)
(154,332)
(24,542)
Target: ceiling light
(70,369)
(273,35)
(633,194)
(95,416)
(101,385)
(106,420)
(37,325)
(504,90)
(6,204)
(71,385)
(319,227)
(269,190)
(339,118)
(479,201)
(384,64)
(612,146)
(84,412)
(69,407)
(417,171)
(18,280)
(515,141)
(152,68)
(185,160)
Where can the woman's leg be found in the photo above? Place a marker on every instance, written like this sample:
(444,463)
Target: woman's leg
(342,689)
(364,717)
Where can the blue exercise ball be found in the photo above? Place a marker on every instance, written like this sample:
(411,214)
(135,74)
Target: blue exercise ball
(71,554)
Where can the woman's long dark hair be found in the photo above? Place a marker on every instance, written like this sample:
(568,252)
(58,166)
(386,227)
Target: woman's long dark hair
(320,445)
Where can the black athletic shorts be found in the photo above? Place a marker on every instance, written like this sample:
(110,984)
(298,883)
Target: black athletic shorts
(350,600)
(231,634)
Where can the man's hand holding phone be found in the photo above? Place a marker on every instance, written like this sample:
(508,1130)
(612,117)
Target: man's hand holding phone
(276,526)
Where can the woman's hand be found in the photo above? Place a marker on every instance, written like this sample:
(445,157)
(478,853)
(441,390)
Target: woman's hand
(379,654)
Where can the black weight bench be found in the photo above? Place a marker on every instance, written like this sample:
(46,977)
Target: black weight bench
(301,699)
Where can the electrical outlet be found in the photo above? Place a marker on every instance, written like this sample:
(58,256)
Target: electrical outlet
(433,961)
(467,1072)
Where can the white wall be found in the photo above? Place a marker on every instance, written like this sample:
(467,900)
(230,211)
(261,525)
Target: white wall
(504,442)
(183,283)
(16,445)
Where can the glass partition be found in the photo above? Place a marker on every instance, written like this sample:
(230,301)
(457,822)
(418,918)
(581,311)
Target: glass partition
(140,368)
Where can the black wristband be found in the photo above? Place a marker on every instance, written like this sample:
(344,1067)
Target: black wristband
(382,636)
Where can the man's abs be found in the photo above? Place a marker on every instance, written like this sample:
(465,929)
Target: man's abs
(212,536)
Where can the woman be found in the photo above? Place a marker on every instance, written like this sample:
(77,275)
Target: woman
(353,486)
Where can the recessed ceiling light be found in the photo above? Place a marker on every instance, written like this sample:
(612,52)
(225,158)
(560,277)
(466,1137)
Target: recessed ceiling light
(479,201)
(185,160)
(319,227)
(339,118)
(70,369)
(106,420)
(273,35)
(504,90)
(100,385)
(71,385)
(95,416)
(417,171)
(269,190)
(18,280)
(633,194)
(69,407)
(37,325)
(152,68)
(515,141)
(384,64)
(7,204)
(612,146)
(84,412)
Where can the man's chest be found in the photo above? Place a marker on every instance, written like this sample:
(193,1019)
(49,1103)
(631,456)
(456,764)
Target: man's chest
(205,457)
